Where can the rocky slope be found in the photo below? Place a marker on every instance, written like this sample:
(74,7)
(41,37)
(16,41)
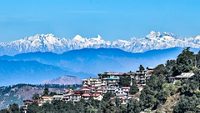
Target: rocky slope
(20,92)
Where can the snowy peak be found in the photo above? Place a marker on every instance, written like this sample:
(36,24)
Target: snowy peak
(37,42)
(51,43)
(79,38)
(99,38)
(37,39)
(153,35)
(40,37)
(160,36)
(197,37)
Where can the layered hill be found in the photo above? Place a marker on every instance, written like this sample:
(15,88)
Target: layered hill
(40,66)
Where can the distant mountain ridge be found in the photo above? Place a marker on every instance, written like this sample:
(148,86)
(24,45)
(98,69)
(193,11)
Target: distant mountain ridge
(64,80)
(51,43)
(18,71)
(83,63)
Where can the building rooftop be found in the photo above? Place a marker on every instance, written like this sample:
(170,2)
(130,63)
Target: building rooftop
(114,73)
(185,75)
(86,95)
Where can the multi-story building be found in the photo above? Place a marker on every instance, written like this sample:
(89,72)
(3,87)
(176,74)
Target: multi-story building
(58,97)
(182,76)
(109,74)
(76,96)
(141,76)
(45,99)
(93,82)
(97,96)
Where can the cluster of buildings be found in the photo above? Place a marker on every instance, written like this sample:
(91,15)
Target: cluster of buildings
(107,82)
(95,88)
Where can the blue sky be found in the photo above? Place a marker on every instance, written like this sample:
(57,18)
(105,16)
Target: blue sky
(112,19)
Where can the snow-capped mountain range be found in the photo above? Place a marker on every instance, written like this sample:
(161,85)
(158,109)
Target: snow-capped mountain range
(51,43)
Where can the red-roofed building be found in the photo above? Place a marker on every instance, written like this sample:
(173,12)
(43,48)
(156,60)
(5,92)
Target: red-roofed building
(97,96)
(86,96)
